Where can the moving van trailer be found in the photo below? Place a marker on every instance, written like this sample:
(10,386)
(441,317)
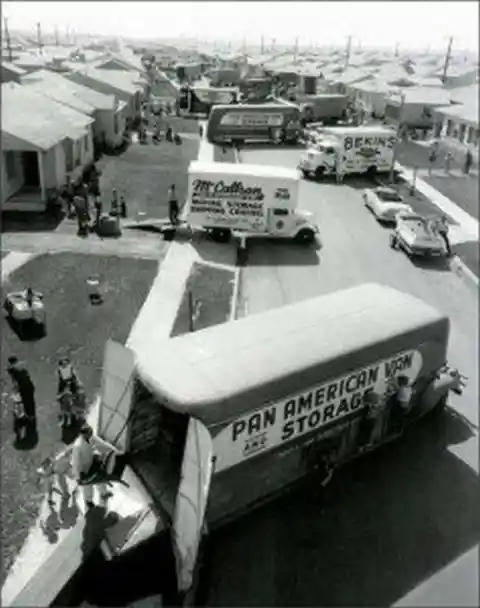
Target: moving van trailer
(247,201)
(366,149)
(234,414)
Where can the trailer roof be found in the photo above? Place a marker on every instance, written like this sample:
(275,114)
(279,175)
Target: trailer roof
(249,107)
(234,169)
(364,130)
(218,374)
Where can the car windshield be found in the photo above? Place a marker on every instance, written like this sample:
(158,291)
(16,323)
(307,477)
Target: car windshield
(419,224)
(389,195)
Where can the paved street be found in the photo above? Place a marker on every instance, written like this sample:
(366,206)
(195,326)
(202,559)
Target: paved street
(395,520)
(460,188)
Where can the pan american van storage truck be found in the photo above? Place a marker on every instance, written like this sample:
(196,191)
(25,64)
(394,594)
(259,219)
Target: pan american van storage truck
(247,200)
(350,150)
(216,422)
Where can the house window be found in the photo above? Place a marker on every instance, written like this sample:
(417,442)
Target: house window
(449,128)
(461,132)
(86,144)
(470,135)
(78,153)
(115,124)
(10,165)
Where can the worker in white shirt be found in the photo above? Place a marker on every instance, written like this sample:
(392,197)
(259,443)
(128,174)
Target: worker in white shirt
(87,466)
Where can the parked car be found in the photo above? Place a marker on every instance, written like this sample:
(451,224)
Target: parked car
(417,236)
(385,203)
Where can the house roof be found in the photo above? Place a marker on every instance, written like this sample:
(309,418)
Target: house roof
(63,89)
(465,95)
(37,119)
(424,95)
(117,79)
(467,112)
(11,67)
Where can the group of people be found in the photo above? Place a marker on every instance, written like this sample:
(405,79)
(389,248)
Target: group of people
(448,159)
(79,202)
(70,397)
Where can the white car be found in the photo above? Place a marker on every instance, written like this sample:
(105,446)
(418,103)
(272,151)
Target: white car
(416,236)
(385,203)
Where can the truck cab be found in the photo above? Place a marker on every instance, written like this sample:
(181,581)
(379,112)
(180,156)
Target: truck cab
(321,157)
(297,224)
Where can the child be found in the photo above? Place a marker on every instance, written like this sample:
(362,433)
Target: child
(20,421)
(46,473)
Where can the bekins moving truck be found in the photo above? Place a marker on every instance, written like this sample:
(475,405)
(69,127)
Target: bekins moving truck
(366,149)
(247,200)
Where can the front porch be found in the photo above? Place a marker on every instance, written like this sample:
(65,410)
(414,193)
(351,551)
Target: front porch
(28,198)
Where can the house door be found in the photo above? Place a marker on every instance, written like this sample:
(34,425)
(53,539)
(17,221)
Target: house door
(30,169)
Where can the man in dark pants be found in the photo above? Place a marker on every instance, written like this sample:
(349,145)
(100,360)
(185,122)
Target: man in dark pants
(442,229)
(172,205)
(23,382)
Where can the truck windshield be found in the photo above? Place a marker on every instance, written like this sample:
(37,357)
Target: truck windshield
(157,440)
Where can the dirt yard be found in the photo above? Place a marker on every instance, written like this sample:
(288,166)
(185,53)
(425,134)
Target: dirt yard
(143,175)
(74,328)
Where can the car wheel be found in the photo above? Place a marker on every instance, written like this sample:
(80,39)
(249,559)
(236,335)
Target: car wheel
(393,242)
(305,237)
(319,172)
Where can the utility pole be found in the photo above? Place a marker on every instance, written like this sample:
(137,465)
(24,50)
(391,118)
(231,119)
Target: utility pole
(448,58)
(396,49)
(295,50)
(39,38)
(56,36)
(262,45)
(8,40)
(348,51)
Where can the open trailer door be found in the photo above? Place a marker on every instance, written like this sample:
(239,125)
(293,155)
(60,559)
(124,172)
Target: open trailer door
(116,395)
(191,504)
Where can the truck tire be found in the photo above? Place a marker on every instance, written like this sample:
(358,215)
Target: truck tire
(306,174)
(371,172)
(305,237)
(319,172)
(221,235)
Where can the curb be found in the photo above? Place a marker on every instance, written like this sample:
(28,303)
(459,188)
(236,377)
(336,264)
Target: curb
(461,268)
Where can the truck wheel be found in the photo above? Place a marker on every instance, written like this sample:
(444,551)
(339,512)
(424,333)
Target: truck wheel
(306,174)
(371,172)
(319,172)
(393,242)
(221,235)
(305,237)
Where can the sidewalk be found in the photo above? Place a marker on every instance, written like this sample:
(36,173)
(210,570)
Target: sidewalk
(464,235)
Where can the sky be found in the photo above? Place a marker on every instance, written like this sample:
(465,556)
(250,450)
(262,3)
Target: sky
(410,24)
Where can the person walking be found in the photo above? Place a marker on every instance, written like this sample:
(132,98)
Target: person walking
(114,204)
(448,162)
(172,205)
(432,157)
(87,466)
(22,382)
(20,421)
(443,229)
(468,162)
(123,207)
(98,210)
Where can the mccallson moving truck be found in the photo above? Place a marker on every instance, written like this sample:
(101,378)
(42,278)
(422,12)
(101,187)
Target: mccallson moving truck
(248,201)
(214,423)
(346,150)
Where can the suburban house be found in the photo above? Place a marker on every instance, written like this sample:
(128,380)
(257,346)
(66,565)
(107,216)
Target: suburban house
(114,61)
(111,82)
(108,112)
(457,126)
(371,96)
(414,107)
(43,143)
(11,72)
